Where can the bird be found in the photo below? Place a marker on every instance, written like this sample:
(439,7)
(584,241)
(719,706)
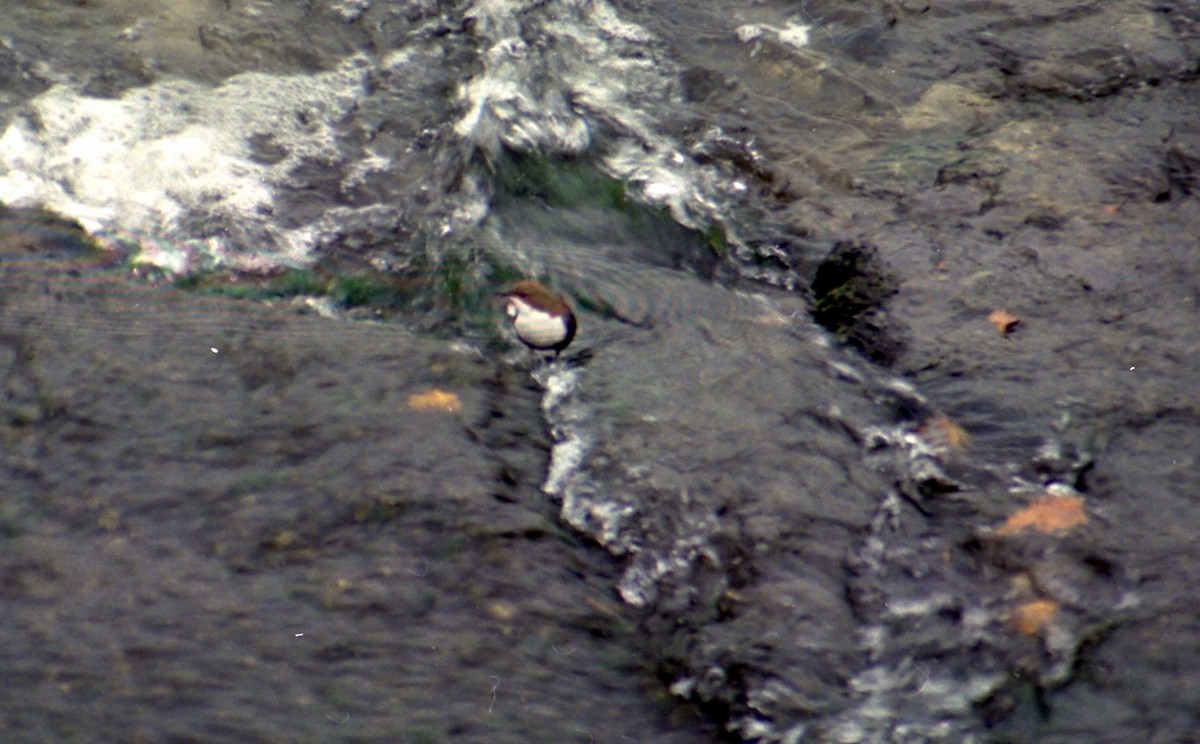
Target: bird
(542,318)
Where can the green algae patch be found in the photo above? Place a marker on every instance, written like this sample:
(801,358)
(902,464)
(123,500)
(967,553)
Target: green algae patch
(850,288)
(562,182)
(716,240)
(451,295)
(378,291)
(285,285)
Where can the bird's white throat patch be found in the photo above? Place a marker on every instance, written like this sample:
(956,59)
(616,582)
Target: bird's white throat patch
(535,327)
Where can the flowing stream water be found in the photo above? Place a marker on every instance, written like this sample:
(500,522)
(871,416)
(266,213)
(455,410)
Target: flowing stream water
(912,524)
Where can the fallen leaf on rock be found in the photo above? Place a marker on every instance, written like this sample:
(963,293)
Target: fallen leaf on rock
(1047,513)
(941,431)
(1003,320)
(435,400)
(502,611)
(1031,617)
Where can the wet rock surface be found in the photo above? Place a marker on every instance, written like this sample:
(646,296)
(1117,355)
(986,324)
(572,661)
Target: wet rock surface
(214,505)
(1058,187)
(225,520)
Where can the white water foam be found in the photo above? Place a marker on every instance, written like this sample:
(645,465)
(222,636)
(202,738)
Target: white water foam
(140,164)
(792,34)
(574,77)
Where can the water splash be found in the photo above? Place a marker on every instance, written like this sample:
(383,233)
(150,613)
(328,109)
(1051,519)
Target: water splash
(175,158)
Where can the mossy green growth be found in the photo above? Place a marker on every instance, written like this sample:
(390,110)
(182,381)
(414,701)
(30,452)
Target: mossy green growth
(849,290)
(291,283)
(446,295)
(352,290)
(298,283)
(563,182)
(378,291)
(466,283)
(716,240)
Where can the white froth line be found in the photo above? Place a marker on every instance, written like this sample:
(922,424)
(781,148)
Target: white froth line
(794,35)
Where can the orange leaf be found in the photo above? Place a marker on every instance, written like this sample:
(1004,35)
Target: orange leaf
(1031,617)
(1047,513)
(941,431)
(435,400)
(1003,320)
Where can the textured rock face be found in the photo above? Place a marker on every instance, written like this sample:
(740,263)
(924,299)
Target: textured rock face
(318,527)
(991,531)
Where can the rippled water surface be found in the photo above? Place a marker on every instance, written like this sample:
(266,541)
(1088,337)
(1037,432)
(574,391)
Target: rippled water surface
(275,469)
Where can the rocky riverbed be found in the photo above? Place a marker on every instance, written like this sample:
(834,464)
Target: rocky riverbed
(880,425)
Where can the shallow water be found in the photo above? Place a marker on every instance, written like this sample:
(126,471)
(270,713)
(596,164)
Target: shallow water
(804,545)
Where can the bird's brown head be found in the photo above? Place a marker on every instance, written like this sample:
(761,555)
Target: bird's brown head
(538,295)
